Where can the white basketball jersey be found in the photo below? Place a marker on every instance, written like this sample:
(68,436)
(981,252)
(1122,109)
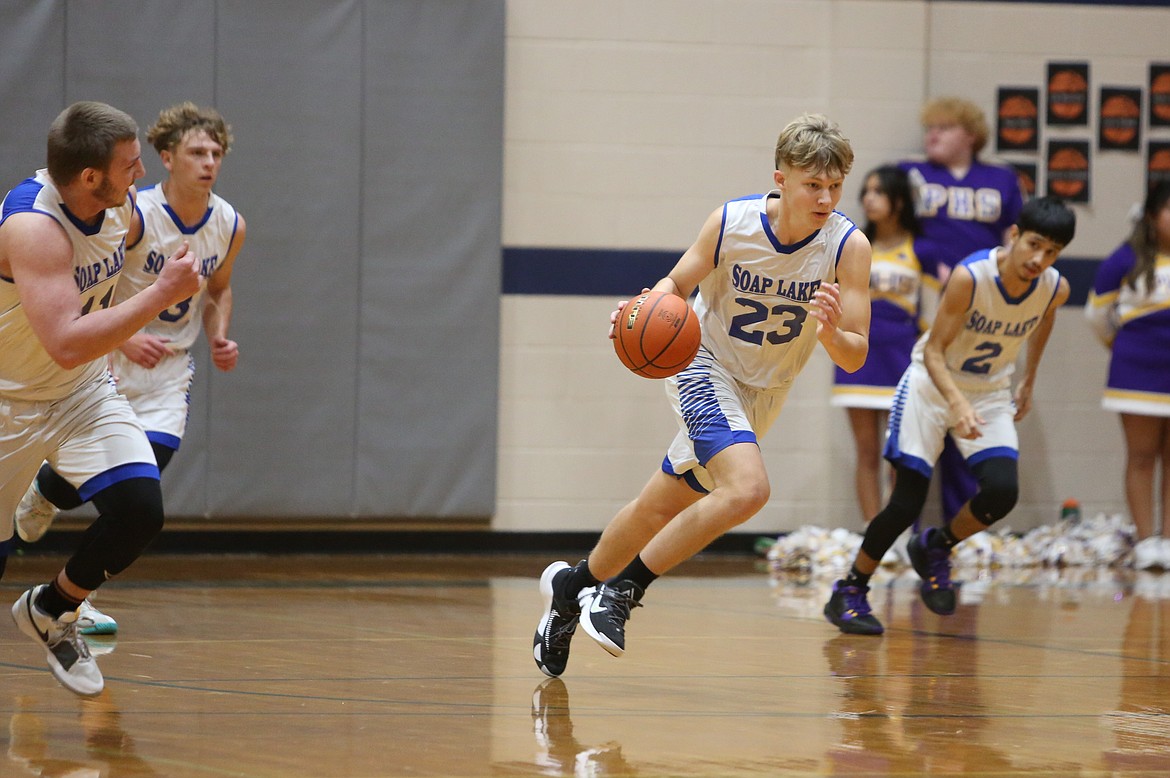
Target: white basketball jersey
(753,307)
(983,355)
(27,372)
(162,235)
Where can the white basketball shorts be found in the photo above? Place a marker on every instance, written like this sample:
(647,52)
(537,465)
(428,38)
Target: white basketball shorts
(920,421)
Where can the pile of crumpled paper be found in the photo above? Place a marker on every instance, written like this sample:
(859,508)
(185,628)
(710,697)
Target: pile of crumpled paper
(1098,541)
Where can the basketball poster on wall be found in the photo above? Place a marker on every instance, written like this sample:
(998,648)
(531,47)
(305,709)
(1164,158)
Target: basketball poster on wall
(1068,94)
(1068,170)
(1157,162)
(1026,172)
(1160,94)
(1120,123)
(1017,119)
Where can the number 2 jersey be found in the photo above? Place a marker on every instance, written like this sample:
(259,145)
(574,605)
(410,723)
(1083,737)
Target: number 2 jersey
(754,306)
(982,357)
(163,232)
(27,372)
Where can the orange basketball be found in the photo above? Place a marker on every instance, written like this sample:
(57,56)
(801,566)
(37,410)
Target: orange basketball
(656,335)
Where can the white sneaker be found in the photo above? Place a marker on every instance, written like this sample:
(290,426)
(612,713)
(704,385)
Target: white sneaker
(67,654)
(1147,553)
(34,515)
(91,621)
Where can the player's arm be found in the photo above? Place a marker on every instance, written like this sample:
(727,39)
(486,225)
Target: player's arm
(41,260)
(697,262)
(948,323)
(217,312)
(842,309)
(1035,350)
(692,267)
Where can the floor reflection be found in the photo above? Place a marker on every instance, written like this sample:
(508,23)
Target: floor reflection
(1141,723)
(98,747)
(558,752)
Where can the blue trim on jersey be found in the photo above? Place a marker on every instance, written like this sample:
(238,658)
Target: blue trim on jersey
(235,229)
(722,228)
(841,245)
(7,546)
(183,228)
(22,197)
(992,453)
(117,475)
(165,439)
(1016,300)
(776,244)
(142,234)
(88,230)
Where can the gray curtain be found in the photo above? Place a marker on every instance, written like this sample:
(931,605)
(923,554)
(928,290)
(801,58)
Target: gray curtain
(368,165)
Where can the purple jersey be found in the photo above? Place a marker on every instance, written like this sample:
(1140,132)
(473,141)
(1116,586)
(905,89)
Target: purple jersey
(962,216)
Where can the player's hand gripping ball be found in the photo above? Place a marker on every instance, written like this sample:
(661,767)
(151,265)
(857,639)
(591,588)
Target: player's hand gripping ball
(656,334)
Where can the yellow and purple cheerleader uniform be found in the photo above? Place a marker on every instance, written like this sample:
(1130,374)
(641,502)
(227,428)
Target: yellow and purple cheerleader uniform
(1135,321)
(903,292)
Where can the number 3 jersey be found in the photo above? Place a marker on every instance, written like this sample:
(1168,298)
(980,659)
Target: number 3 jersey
(27,372)
(163,234)
(754,306)
(982,357)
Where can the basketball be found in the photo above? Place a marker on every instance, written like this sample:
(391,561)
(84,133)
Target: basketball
(656,335)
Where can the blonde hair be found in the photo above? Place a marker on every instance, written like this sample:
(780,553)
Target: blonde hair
(814,142)
(956,110)
(175,122)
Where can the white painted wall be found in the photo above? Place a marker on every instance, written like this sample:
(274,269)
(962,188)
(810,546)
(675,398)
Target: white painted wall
(626,123)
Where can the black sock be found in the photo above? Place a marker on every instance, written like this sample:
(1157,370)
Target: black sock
(942,538)
(637,572)
(579,578)
(857,578)
(54,602)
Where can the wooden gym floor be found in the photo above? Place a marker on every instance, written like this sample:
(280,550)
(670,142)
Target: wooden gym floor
(346,665)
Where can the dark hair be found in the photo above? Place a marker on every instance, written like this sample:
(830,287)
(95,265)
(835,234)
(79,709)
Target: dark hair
(1143,239)
(894,183)
(1050,217)
(84,136)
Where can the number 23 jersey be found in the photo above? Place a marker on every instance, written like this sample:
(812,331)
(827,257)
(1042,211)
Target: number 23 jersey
(163,232)
(754,306)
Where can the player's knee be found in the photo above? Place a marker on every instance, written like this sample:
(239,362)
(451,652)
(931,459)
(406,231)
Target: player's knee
(135,507)
(746,500)
(991,505)
(999,489)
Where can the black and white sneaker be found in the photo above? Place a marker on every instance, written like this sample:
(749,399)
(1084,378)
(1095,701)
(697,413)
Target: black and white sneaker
(550,645)
(605,613)
(68,655)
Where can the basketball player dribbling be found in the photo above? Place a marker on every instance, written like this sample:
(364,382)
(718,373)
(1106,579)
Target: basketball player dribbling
(775,273)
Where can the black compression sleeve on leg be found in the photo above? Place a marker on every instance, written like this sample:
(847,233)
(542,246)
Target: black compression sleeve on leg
(56,489)
(999,488)
(162,455)
(131,515)
(906,501)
